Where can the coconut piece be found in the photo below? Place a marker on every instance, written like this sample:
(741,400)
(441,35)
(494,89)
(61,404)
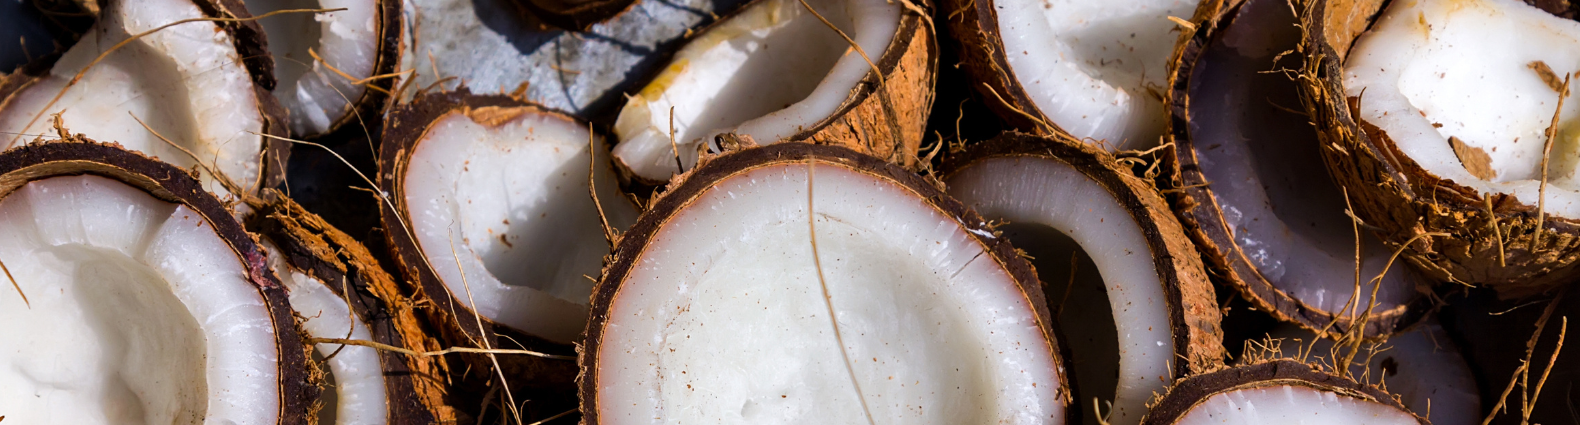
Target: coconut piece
(137,297)
(775,70)
(574,15)
(1422,366)
(358,50)
(1147,315)
(1505,341)
(803,281)
(204,89)
(1280,391)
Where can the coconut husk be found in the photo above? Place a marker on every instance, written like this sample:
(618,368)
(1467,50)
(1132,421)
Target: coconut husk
(574,15)
(1186,393)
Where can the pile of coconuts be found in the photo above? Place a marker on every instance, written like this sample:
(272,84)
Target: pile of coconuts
(789,211)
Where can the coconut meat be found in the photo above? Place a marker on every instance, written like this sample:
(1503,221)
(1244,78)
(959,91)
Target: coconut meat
(1097,69)
(138,312)
(1291,404)
(771,71)
(723,317)
(1479,122)
(186,82)
(1421,366)
(347,40)
(1049,193)
(499,205)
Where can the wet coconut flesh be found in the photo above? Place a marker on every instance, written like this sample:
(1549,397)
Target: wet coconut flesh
(799,282)
(1136,311)
(774,71)
(185,82)
(1254,194)
(1277,392)
(1094,70)
(145,301)
(1422,366)
(352,46)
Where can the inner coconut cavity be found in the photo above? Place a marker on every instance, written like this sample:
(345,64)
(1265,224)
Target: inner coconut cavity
(1097,69)
(137,312)
(186,82)
(1481,123)
(500,207)
(771,71)
(1274,403)
(1048,194)
(316,92)
(726,314)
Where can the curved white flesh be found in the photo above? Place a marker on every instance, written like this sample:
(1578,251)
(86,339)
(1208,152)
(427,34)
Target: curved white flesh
(1413,70)
(1052,194)
(1291,404)
(357,375)
(511,204)
(347,40)
(1097,69)
(1421,366)
(723,318)
(1286,216)
(769,72)
(185,81)
(137,312)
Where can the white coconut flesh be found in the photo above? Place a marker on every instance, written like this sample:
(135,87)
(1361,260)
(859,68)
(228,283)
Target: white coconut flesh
(1420,89)
(185,81)
(723,317)
(510,204)
(1291,404)
(770,72)
(347,40)
(1421,366)
(139,312)
(1097,69)
(1058,198)
(1286,216)
(357,377)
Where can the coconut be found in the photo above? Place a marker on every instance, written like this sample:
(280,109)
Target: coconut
(1280,391)
(1515,347)
(1452,158)
(1129,291)
(800,281)
(334,68)
(191,94)
(137,297)
(857,74)
(1422,366)
(574,15)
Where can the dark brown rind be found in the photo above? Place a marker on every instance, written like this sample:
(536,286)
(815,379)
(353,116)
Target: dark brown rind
(366,110)
(574,15)
(687,187)
(78,155)
(1407,204)
(1191,299)
(1187,393)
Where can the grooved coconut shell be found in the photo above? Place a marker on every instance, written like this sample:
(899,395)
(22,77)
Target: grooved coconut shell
(1187,393)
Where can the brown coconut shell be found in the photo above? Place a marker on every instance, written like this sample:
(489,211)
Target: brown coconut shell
(1186,393)
(365,110)
(1403,202)
(713,169)
(415,389)
(1192,305)
(1197,207)
(574,15)
(78,155)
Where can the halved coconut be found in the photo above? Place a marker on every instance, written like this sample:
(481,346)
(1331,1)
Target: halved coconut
(1277,392)
(202,85)
(799,282)
(135,296)
(1096,70)
(1447,154)
(351,79)
(574,15)
(1422,366)
(1252,190)
(1137,309)
(857,74)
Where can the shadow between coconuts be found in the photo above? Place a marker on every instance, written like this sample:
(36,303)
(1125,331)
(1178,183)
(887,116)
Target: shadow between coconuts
(1187,393)
(573,15)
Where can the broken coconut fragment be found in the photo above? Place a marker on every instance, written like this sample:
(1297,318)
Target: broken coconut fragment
(1253,191)
(1447,154)
(1096,70)
(334,68)
(203,85)
(1277,392)
(1136,310)
(784,70)
(137,297)
(799,282)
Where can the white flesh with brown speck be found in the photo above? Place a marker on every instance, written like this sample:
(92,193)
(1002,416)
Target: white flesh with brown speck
(346,40)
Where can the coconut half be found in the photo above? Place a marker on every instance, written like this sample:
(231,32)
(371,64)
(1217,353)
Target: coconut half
(1137,310)
(1422,366)
(1096,70)
(350,81)
(774,70)
(137,297)
(1276,392)
(202,85)
(798,282)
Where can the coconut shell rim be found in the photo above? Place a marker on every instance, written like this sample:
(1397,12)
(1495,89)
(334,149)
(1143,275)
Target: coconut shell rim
(1187,393)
